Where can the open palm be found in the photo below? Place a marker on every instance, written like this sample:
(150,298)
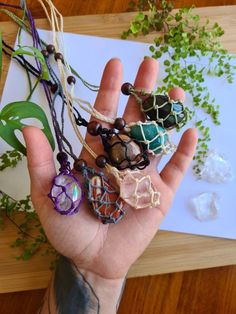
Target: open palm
(107,250)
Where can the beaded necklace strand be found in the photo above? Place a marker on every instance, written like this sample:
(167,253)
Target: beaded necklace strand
(149,137)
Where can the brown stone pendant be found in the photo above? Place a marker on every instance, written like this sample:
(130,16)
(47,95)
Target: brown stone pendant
(123,152)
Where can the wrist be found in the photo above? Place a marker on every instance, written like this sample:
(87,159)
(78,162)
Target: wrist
(75,290)
(108,291)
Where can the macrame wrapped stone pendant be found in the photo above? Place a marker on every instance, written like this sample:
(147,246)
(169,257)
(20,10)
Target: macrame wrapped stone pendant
(165,111)
(152,136)
(66,193)
(124,152)
(138,191)
(104,200)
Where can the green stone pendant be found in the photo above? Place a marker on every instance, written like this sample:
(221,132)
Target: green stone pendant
(152,136)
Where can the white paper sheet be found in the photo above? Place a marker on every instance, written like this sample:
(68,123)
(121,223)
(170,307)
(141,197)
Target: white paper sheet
(88,55)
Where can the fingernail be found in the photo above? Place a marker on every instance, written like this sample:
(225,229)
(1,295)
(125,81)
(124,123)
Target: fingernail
(115,58)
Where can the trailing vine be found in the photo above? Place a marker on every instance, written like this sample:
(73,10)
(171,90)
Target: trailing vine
(31,238)
(183,36)
(10,159)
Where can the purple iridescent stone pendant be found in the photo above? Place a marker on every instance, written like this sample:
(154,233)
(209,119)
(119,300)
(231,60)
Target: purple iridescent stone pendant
(66,192)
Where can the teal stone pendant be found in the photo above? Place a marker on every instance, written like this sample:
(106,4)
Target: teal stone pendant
(152,137)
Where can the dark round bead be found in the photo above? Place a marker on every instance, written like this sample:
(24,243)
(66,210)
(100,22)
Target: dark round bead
(45,53)
(62,157)
(105,130)
(54,88)
(50,49)
(126,89)
(58,56)
(79,164)
(119,123)
(94,128)
(101,161)
(71,80)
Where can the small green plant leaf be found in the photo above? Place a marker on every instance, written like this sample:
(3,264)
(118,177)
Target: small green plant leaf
(10,121)
(10,159)
(140,16)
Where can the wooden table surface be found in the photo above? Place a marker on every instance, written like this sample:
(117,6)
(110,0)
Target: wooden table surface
(202,291)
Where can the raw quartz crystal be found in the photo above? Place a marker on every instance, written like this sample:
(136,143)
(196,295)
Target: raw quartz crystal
(66,193)
(205,206)
(137,190)
(216,169)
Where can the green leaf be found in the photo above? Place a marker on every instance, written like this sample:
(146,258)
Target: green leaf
(9,159)
(152,48)
(166,62)
(10,121)
(38,55)
(135,27)
(178,17)
(139,17)
(196,18)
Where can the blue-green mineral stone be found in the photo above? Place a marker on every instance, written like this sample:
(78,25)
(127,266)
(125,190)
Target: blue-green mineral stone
(151,132)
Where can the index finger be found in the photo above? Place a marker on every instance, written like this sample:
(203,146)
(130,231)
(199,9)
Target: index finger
(145,79)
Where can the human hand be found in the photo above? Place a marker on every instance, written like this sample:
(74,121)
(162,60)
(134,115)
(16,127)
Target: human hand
(106,250)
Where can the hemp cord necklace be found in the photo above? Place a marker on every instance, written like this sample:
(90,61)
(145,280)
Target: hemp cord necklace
(149,197)
(150,136)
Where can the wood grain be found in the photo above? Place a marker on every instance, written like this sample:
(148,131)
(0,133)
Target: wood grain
(208,291)
(84,7)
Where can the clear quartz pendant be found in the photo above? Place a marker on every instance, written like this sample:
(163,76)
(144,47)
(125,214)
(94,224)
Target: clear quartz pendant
(138,191)
(205,206)
(66,193)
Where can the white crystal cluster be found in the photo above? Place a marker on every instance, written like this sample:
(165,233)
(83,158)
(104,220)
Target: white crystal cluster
(216,169)
(205,206)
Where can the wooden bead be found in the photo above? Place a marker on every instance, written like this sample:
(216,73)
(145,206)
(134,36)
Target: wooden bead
(54,88)
(45,53)
(58,56)
(79,164)
(126,89)
(120,123)
(71,80)
(101,161)
(94,128)
(50,49)
(62,157)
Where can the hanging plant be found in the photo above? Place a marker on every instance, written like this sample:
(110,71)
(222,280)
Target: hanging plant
(31,238)
(182,35)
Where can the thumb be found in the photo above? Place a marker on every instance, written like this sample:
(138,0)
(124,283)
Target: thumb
(40,162)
